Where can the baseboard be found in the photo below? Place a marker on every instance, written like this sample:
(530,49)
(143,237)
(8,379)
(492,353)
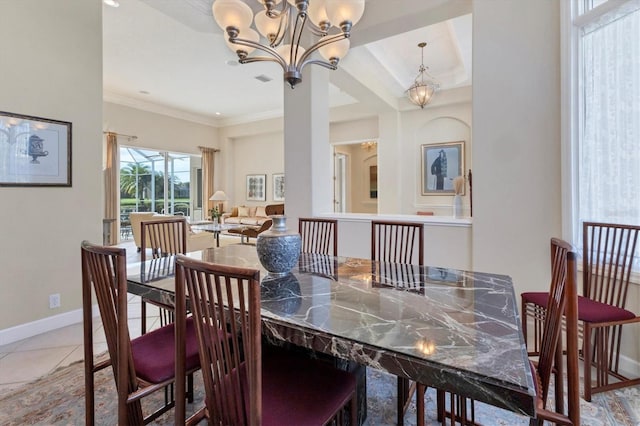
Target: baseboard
(30,329)
(629,367)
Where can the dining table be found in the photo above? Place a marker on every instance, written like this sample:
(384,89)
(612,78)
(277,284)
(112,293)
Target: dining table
(453,330)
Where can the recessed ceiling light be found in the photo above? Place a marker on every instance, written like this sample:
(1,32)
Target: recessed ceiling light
(112,3)
(232,63)
(218,113)
(144,92)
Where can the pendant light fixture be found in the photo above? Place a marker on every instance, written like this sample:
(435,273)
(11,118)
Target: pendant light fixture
(423,88)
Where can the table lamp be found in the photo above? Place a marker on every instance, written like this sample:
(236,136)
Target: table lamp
(221,197)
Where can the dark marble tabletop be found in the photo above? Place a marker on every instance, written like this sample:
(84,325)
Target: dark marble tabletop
(454,330)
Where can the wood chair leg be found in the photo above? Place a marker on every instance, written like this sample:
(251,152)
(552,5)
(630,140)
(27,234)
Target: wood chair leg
(420,391)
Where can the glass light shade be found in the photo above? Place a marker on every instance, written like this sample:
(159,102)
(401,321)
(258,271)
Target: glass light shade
(232,13)
(266,25)
(285,51)
(317,12)
(262,1)
(336,49)
(248,34)
(420,93)
(339,11)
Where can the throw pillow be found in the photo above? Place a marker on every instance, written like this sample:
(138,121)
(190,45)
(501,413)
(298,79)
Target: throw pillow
(234,212)
(260,212)
(243,211)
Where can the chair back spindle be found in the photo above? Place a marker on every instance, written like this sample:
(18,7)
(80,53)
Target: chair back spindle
(397,242)
(319,235)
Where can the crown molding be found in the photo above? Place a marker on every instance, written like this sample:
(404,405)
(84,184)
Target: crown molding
(128,101)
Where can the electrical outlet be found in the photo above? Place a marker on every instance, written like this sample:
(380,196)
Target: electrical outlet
(54,301)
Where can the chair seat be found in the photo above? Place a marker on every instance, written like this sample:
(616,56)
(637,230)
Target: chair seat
(539,298)
(154,353)
(588,310)
(592,311)
(297,390)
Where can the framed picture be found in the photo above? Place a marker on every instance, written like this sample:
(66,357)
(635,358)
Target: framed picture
(34,151)
(278,187)
(256,187)
(441,164)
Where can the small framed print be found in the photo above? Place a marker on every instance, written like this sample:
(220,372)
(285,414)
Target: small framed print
(441,164)
(34,151)
(278,187)
(256,188)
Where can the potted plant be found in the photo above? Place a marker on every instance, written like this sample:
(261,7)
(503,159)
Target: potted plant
(215,214)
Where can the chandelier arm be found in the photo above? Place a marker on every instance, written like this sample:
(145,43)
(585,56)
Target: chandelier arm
(322,63)
(323,42)
(282,26)
(267,49)
(250,59)
(298,28)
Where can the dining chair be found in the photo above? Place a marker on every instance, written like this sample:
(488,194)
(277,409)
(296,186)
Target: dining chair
(164,238)
(140,366)
(244,384)
(399,242)
(562,314)
(608,254)
(319,235)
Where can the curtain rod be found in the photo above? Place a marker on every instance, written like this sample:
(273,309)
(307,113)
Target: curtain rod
(120,134)
(206,147)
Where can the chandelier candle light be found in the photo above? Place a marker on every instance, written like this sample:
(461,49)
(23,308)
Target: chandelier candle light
(282,27)
(422,90)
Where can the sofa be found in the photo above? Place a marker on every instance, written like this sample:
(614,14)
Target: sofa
(253,220)
(195,240)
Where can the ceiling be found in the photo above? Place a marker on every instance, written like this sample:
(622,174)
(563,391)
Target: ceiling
(168,56)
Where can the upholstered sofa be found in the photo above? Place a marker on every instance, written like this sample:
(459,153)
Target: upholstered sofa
(195,240)
(254,220)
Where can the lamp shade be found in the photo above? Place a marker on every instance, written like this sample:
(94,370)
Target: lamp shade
(336,50)
(339,11)
(232,13)
(247,33)
(219,196)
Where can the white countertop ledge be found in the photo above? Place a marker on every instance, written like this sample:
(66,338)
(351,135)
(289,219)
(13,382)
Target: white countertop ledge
(465,222)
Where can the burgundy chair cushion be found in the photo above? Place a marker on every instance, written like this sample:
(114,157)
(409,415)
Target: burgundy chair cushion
(592,311)
(588,310)
(154,354)
(297,390)
(539,298)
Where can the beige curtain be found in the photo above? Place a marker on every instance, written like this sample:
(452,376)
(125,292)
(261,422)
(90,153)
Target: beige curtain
(111,191)
(208,188)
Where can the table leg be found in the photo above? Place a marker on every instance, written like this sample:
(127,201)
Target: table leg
(217,234)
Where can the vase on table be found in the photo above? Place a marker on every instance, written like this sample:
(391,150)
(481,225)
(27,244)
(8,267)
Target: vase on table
(278,247)
(216,220)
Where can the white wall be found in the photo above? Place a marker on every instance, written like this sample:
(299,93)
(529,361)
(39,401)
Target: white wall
(51,66)
(516,138)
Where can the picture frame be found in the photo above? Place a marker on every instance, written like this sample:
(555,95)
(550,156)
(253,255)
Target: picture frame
(34,151)
(278,186)
(441,163)
(256,187)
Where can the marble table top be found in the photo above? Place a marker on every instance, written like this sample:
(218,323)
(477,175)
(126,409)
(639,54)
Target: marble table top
(450,329)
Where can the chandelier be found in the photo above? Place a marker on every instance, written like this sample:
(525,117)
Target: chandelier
(422,90)
(282,27)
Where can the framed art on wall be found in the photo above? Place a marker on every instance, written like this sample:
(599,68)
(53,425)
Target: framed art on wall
(256,187)
(278,187)
(441,164)
(34,151)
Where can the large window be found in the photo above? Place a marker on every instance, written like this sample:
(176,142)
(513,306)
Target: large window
(607,145)
(161,182)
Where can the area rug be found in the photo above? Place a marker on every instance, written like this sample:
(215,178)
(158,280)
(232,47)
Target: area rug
(58,399)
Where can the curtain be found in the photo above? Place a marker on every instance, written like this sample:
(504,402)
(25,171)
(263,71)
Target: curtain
(208,188)
(111,191)
(609,143)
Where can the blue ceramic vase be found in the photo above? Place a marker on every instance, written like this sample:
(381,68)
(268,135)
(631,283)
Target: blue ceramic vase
(278,247)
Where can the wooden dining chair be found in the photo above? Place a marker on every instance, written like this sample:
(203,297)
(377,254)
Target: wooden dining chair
(243,384)
(319,235)
(140,366)
(562,313)
(609,251)
(164,238)
(399,242)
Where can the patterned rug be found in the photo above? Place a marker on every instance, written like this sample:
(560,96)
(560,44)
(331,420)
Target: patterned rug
(58,399)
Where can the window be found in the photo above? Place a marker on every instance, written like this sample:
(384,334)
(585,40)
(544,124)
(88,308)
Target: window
(606,151)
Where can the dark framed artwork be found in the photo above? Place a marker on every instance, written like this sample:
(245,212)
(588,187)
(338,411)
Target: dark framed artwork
(256,187)
(441,164)
(34,151)
(278,187)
